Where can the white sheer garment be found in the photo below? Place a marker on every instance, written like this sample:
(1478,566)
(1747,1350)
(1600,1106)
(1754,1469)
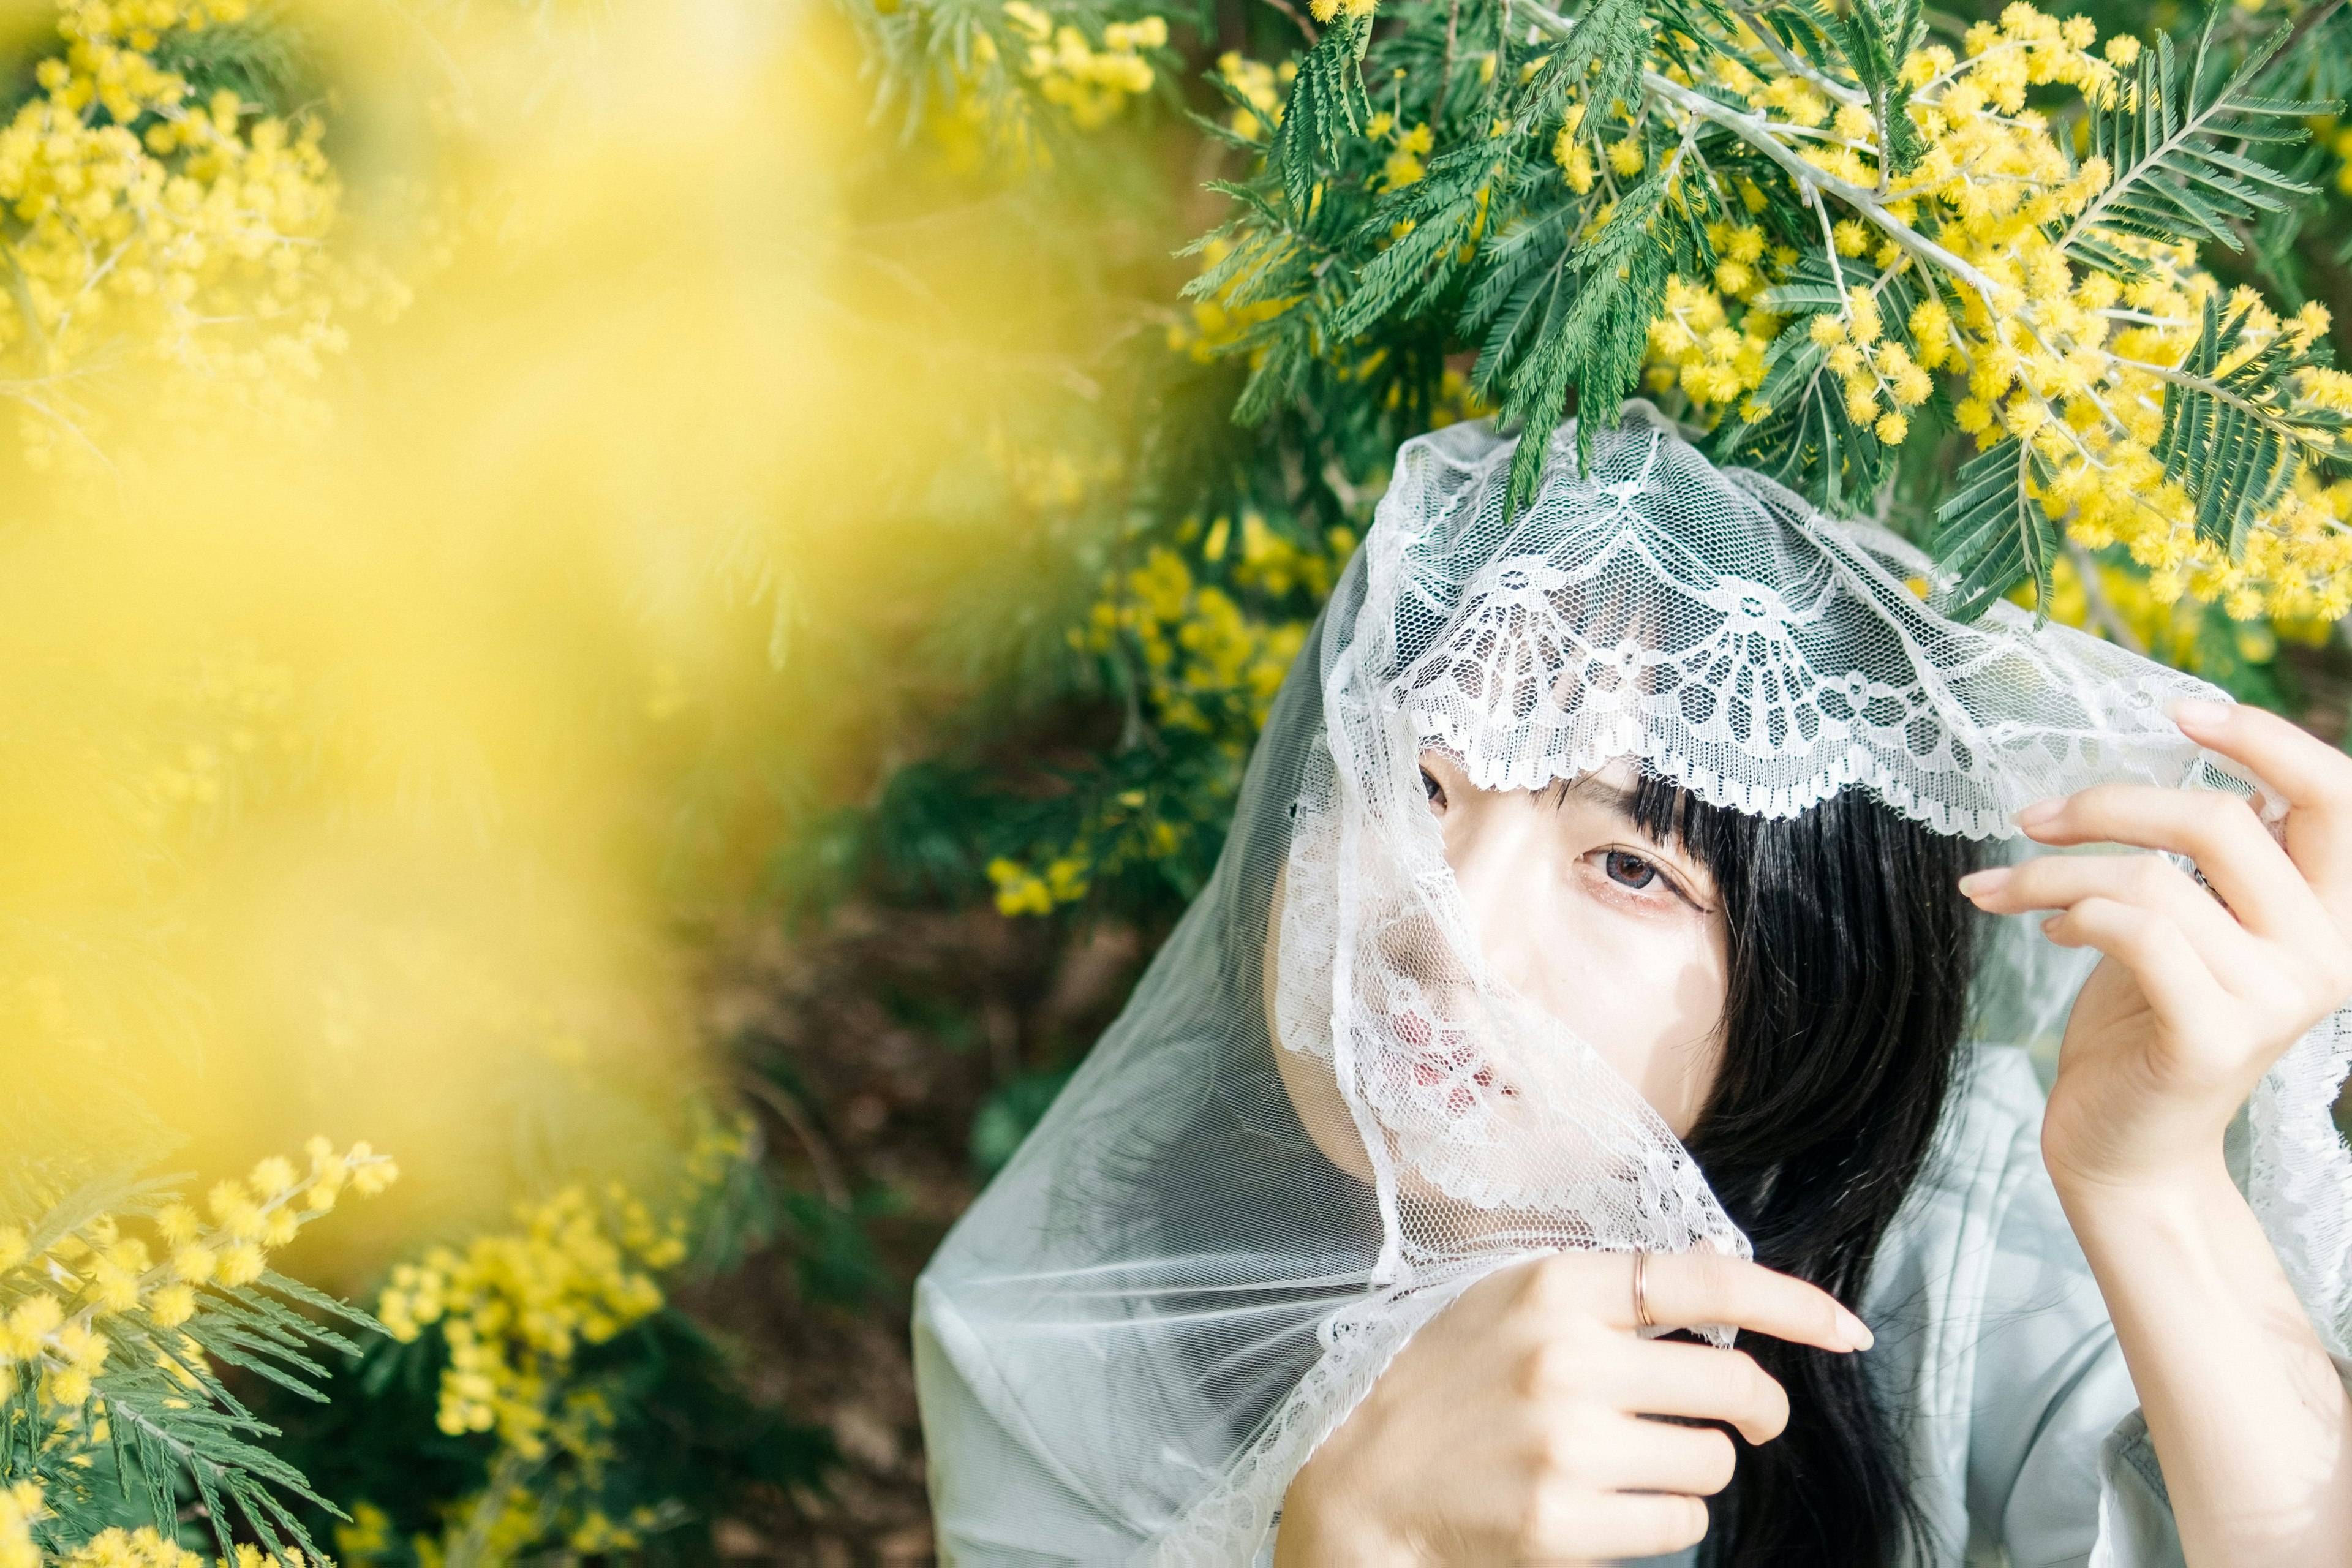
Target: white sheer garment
(1993,1346)
(1172,1295)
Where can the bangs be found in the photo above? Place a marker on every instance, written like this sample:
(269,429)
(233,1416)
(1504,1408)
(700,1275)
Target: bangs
(1715,836)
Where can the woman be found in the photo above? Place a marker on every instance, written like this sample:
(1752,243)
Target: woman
(1591,958)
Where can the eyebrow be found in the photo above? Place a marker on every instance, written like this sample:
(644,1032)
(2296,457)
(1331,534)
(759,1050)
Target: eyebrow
(1600,792)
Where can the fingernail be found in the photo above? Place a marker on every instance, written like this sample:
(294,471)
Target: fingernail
(2196,712)
(2040,812)
(1857,1333)
(1985,883)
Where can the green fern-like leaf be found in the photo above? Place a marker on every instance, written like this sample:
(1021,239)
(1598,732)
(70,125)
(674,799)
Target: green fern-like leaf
(2233,439)
(1578,322)
(2164,135)
(1327,107)
(1993,534)
(1807,440)
(1875,36)
(1599,61)
(1444,208)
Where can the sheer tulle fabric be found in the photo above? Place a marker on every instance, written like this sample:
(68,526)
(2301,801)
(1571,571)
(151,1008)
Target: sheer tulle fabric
(1192,1272)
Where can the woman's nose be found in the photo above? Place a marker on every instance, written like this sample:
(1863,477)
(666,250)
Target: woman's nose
(1496,859)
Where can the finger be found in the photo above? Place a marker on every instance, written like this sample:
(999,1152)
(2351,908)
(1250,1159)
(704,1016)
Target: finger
(2219,832)
(1587,1446)
(1685,1289)
(1662,1378)
(2144,881)
(2170,974)
(1579,1526)
(2315,778)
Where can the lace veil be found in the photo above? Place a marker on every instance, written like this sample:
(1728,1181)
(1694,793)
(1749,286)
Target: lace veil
(1190,1273)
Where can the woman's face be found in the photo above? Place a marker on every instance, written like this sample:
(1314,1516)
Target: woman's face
(1617,935)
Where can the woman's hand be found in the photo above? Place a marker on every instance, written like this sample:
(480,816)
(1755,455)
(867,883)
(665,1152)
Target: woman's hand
(1514,1426)
(2196,996)
(2199,993)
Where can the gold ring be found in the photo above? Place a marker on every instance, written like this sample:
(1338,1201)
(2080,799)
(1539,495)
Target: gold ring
(1641,1318)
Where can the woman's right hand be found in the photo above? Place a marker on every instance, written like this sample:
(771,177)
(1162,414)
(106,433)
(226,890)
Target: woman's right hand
(1516,1425)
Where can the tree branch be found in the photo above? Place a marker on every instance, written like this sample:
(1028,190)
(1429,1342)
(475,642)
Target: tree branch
(1757,132)
(1789,62)
(2103,609)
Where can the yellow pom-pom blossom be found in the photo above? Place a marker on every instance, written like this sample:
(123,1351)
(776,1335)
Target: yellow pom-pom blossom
(1092,84)
(57,1306)
(1697,343)
(2041,345)
(1206,663)
(197,242)
(140,1548)
(514,1307)
(20,1509)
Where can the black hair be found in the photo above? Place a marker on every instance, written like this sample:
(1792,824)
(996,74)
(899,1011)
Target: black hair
(1850,949)
(1850,953)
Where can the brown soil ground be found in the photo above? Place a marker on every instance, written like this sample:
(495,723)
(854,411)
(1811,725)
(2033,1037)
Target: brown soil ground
(867,1048)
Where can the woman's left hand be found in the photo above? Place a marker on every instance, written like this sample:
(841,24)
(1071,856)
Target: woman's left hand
(2199,992)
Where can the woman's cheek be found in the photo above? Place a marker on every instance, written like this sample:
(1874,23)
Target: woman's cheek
(1637,984)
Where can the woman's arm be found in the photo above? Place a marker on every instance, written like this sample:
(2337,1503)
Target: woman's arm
(2199,993)
(2249,1417)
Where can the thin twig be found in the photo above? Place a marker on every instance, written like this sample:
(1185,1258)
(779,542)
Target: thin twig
(1789,62)
(2194,383)
(821,1161)
(1885,145)
(1829,244)
(1757,131)
(2103,609)
(1445,71)
(1306,27)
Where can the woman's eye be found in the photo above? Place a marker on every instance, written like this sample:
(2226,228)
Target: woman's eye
(1435,791)
(1629,871)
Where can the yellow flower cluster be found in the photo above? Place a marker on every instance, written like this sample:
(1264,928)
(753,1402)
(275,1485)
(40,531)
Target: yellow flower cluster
(1409,148)
(20,1509)
(1329,11)
(50,1331)
(1265,87)
(143,1547)
(1199,647)
(2046,348)
(1698,344)
(1880,377)
(182,241)
(1208,665)
(1021,892)
(2170,630)
(21,1505)
(515,1307)
(1094,84)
